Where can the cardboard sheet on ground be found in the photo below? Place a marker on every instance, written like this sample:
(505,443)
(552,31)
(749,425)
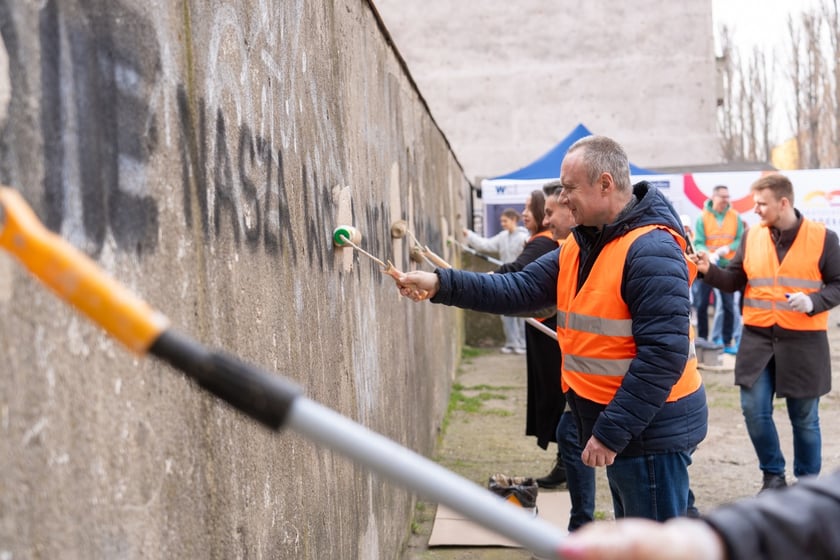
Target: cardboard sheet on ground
(453,529)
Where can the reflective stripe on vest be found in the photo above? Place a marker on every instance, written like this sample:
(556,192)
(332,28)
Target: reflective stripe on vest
(720,234)
(768,280)
(595,328)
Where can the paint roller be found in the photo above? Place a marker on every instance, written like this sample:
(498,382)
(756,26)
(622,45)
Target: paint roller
(399,229)
(346,235)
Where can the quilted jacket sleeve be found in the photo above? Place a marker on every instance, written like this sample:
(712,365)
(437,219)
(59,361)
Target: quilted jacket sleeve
(802,521)
(531,289)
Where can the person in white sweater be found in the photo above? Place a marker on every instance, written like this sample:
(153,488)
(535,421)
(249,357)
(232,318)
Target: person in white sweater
(508,243)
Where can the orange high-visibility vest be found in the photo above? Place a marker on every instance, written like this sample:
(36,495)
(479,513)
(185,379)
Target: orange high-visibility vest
(594,326)
(718,235)
(768,280)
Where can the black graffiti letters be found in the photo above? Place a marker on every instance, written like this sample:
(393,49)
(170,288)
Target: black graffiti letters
(98,65)
(249,195)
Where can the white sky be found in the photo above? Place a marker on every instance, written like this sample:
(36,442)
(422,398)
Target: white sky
(763,23)
(758,22)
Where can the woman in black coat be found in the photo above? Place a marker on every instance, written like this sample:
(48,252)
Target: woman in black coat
(545,397)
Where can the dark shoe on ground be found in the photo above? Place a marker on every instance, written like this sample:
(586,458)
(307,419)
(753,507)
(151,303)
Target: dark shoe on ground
(772,482)
(554,479)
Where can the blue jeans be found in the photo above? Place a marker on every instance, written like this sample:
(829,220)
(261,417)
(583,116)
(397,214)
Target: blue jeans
(717,324)
(650,486)
(702,303)
(757,406)
(580,479)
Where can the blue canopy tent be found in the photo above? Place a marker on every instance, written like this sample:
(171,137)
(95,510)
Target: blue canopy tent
(511,190)
(547,167)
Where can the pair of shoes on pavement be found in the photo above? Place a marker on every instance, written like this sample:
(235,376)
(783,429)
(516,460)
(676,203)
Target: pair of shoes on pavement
(728,349)
(555,479)
(772,481)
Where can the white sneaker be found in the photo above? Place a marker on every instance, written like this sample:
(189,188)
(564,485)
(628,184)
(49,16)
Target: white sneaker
(506,350)
(519,351)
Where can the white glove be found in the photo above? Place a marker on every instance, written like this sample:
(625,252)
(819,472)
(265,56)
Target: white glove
(720,251)
(714,258)
(800,302)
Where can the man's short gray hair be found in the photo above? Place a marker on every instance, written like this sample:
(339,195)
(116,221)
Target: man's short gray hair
(602,154)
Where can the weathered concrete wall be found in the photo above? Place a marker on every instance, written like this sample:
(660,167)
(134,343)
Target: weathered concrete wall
(481,329)
(203,152)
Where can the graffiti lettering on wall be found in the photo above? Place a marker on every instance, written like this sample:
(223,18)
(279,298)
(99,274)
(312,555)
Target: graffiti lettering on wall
(260,184)
(96,71)
(258,138)
(266,217)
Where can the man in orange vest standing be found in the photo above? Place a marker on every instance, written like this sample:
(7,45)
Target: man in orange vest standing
(791,269)
(620,283)
(718,233)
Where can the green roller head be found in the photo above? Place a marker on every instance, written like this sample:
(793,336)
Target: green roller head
(342,234)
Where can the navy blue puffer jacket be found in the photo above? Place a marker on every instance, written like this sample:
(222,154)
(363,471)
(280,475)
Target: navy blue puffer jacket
(655,287)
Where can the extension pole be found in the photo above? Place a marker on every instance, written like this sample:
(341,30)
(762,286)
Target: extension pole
(269,398)
(472,251)
(542,328)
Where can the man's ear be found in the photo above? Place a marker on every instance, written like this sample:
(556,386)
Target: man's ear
(606,181)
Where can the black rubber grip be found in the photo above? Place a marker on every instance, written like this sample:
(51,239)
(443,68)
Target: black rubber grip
(262,395)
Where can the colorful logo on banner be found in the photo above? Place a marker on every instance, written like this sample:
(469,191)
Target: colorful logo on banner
(822,199)
(697,198)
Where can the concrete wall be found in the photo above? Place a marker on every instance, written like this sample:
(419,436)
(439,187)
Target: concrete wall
(508,81)
(203,152)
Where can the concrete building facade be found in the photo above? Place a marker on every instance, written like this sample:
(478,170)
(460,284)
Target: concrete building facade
(507,81)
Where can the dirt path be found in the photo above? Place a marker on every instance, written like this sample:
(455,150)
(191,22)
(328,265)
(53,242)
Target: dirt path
(485,435)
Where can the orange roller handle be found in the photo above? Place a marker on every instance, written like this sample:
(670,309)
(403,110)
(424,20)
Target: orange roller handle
(75,277)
